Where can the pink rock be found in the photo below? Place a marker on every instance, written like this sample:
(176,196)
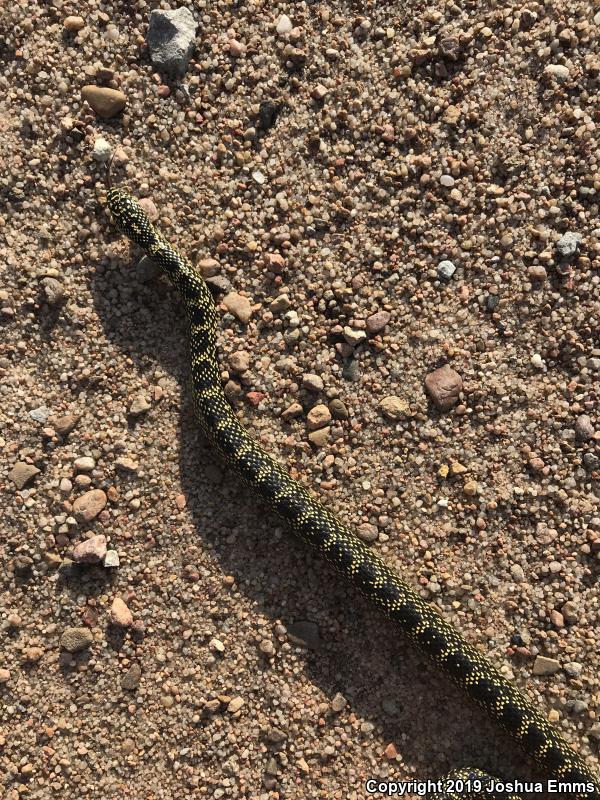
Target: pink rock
(92,551)
(120,613)
(89,505)
(443,385)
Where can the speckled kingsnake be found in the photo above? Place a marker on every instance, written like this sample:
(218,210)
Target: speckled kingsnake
(339,546)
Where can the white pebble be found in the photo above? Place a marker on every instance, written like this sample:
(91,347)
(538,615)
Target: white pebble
(537,361)
(102,150)
(84,464)
(283,25)
(447,180)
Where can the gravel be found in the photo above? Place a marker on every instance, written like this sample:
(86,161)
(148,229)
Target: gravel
(324,161)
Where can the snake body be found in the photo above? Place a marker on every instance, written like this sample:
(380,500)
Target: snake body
(338,545)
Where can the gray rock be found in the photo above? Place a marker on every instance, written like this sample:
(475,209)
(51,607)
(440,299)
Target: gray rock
(22,473)
(584,428)
(171,37)
(130,681)
(40,414)
(75,639)
(545,666)
(568,244)
(445,270)
(53,290)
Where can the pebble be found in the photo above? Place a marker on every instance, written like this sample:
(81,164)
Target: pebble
(73,24)
(545,666)
(238,305)
(354,337)
(64,425)
(54,291)
(239,361)
(319,437)
(570,612)
(283,25)
(102,150)
(568,244)
(318,417)
(338,703)
(537,361)
(314,383)
(517,572)
(105,102)
(584,429)
(367,532)
(558,72)
(209,267)
(131,680)
(89,505)
(235,704)
(338,409)
(23,566)
(443,386)
(170,38)
(84,464)
(4,675)
(22,473)
(139,405)
(537,273)
(573,668)
(75,639)
(293,410)
(445,270)
(120,614)
(448,181)
(91,551)
(557,619)
(394,407)
(111,559)
(377,322)
(40,414)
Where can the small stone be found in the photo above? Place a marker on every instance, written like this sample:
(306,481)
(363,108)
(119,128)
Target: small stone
(570,612)
(280,304)
(131,680)
(470,488)
(84,464)
(75,639)
(377,322)
(23,566)
(120,614)
(40,414)
(217,645)
(447,181)
(209,267)
(125,464)
(294,410)
(517,572)
(319,92)
(444,386)
(105,102)
(54,291)
(394,408)
(305,633)
(139,406)
(4,675)
(390,752)
(573,668)
(22,473)
(170,39)
(92,551)
(545,666)
(338,409)
(338,703)
(102,150)
(89,505)
(319,438)
(64,425)
(456,468)
(557,619)
(283,25)
(32,655)
(73,24)
(537,273)
(537,361)
(318,417)
(238,305)
(111,559)
(275,263)
(584,428)
(314,383)
(445,270)
(236,49)
(353,336)
(235,704)
(568,244)
(367,532)
(556,72)
(240,361)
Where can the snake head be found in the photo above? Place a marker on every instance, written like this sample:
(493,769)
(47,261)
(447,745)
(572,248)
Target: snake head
(130,218)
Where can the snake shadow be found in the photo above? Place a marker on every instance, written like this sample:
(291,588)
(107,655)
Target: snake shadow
(359,654)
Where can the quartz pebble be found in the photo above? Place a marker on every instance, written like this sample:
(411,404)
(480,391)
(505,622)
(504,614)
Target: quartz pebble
(446,270)
(91,551)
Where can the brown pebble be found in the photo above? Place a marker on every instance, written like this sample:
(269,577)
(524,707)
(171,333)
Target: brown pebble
(92,551)
(22,473)
(89,505)
(377,322)
(105,102)
(73,24)
(443,385)
(64,425)
(318,417)
(120,613)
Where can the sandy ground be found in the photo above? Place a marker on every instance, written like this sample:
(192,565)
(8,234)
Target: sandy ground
(236,665)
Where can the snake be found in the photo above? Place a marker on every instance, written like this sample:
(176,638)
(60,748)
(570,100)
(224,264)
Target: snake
(340,547)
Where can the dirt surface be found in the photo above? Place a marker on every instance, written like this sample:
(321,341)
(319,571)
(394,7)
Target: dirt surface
(374,191)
